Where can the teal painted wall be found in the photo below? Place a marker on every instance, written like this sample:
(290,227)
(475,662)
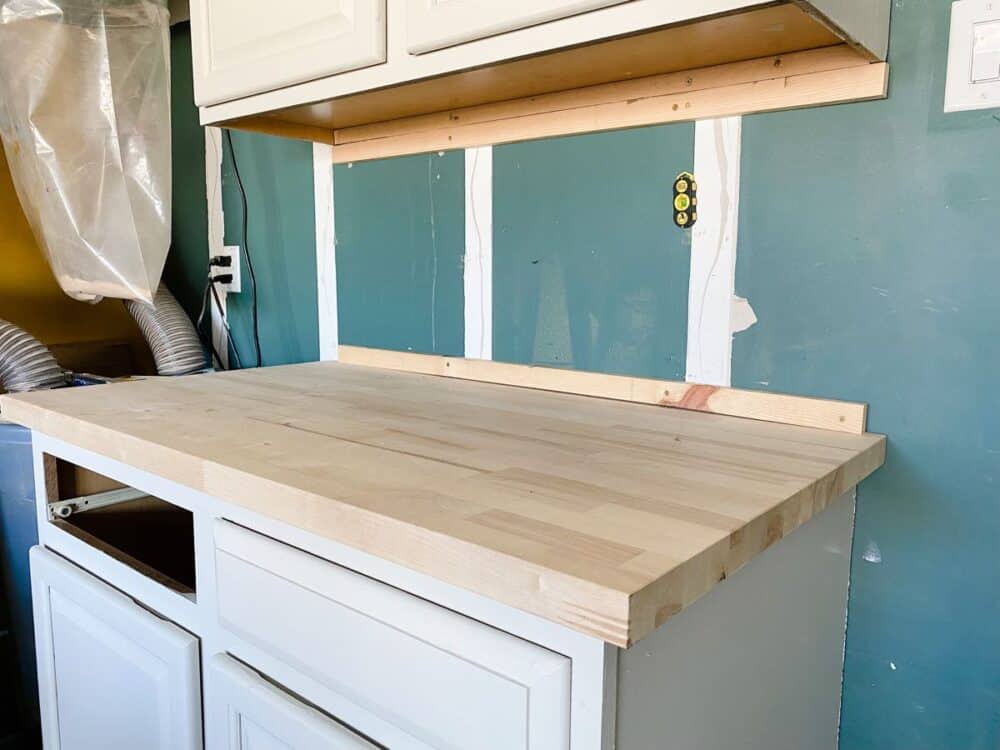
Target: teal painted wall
(588,269)
(281,235)
(869,248)
(185,270)
(400,247)
(278,175)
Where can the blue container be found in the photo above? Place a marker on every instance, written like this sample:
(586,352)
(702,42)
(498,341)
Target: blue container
(18,534)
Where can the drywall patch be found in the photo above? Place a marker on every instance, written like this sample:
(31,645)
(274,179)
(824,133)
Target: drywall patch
(741,315)
(478,266)
(326,252)
(714,312)
(872,553)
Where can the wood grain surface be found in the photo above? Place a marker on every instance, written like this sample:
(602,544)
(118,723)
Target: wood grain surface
(845,416)
(605,516)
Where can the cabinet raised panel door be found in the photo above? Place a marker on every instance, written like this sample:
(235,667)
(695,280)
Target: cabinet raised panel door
(435,24)
(242,48)
(127,679)
(245,712)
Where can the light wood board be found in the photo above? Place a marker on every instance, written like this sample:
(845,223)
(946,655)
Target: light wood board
(604,516)
(845,416)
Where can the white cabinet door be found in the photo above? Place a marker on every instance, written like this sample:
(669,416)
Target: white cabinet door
(245,712)
(242,48)
(111,674)
(434,24)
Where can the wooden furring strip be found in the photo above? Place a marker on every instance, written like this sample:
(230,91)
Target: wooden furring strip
(837,57)
(841,416)
(826,76)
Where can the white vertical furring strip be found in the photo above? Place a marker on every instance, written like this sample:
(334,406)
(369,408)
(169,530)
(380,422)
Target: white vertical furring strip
(216,233)
(326,252)
(479,252)
(714,312)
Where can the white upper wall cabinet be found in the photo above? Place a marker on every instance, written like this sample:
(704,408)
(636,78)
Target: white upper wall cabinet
(243,48)
(435,24)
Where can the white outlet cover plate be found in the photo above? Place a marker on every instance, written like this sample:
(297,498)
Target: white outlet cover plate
(235,287)
(962,92)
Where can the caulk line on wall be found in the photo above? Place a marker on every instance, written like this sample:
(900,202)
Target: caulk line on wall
(478,271)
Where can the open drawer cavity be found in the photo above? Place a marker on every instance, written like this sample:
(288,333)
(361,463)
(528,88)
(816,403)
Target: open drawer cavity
(147,533)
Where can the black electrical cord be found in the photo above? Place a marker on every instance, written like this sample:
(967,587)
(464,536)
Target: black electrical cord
(207,341)
(246,249)
(225,325)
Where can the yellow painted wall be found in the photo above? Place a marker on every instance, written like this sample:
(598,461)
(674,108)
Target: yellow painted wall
(101,339)
(29,294)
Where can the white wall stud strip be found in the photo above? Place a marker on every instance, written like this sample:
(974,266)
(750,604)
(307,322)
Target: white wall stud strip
(216,233)
(326,252)
(714,312)
(479,252)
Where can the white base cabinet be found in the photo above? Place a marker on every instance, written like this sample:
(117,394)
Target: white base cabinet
(112,675)
(289,641)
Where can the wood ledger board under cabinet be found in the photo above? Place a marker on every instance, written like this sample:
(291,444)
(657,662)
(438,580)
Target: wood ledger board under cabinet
(604,516)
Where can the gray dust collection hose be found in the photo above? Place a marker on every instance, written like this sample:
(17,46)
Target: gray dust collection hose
(26,364)
(170,334)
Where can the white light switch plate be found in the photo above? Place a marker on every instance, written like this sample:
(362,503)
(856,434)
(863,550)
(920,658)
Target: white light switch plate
(973,56)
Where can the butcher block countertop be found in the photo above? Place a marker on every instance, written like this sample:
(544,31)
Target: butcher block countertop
(607,517)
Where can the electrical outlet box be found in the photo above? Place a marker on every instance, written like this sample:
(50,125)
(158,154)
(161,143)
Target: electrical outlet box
(973,56)
(235,286)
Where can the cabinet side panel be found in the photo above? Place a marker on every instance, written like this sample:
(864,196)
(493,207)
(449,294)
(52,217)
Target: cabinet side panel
(757,663)
(865,22)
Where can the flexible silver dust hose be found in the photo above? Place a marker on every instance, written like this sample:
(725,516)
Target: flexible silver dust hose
(170,334)
(26,364)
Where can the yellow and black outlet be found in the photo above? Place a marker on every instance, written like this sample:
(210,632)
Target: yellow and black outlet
(685,200)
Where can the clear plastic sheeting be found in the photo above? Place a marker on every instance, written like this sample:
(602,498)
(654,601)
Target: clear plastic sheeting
(85,123)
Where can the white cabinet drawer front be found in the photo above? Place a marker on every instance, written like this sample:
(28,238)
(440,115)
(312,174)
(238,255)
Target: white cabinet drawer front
(435,24)
(444,679)
(242,48)
(245,712)
(111,674)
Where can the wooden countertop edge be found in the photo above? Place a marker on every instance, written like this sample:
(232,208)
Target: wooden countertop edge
(653,605)
(616,617)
